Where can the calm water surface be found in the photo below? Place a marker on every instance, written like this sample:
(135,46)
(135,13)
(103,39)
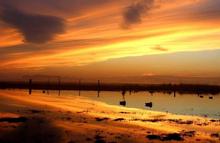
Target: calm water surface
(184,104)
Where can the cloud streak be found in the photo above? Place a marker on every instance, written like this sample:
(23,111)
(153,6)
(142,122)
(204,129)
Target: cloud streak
(133,14)
(159,48)
(35,28)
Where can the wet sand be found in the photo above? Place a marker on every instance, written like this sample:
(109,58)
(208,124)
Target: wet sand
(41,118)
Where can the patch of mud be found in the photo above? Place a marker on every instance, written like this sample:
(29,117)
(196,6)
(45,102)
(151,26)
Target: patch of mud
(178,121)
(33,130)
(101,119)
(119,119)
(166,137)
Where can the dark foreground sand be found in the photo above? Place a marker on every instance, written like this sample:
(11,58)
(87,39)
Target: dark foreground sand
(57,119)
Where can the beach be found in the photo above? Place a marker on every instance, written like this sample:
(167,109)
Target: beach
(40,118)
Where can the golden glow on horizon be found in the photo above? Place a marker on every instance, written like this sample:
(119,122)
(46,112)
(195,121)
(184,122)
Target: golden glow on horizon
(97,36)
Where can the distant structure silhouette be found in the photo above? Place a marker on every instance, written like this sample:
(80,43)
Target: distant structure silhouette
(98,88)
(151,92)
(48,83)
(79,87)
(174,93)
(30,86)
(130,91)
(123,102)
(48,86)
(59,85)
(41,78)
(123,92)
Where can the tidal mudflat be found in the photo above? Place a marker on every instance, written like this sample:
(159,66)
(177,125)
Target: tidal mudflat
(46,118)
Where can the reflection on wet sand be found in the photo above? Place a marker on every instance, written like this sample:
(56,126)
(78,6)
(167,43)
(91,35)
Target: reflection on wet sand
(73,119)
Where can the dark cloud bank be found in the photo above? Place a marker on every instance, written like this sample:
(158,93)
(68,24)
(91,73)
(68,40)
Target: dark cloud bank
(133,14)
(34,27)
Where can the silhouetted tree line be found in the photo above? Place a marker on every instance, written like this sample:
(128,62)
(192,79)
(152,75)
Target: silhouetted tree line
(152,88)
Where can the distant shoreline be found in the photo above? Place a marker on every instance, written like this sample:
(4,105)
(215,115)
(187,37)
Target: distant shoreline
(126,87)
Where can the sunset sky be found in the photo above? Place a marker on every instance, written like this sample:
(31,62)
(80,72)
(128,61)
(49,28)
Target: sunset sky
(110,38)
